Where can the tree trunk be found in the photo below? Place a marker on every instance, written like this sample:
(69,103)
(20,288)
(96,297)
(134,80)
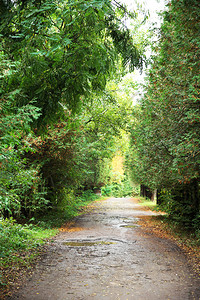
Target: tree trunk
(153,196)
(159,201)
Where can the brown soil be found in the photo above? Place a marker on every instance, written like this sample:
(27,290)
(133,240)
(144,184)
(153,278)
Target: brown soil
(160,228)
(105,254)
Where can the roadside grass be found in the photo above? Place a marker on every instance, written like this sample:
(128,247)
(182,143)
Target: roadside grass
(22,245)
(145,202)
(165,227)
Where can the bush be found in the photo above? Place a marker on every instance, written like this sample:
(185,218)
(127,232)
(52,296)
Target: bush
(180,209)
(14,237)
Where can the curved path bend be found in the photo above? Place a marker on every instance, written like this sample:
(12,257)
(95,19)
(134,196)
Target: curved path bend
(106,255)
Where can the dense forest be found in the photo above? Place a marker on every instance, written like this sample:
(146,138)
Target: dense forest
(66,107)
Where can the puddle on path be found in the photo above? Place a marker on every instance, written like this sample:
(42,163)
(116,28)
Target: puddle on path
(87,243)
(130,226)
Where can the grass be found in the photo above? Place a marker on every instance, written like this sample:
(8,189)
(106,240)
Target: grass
(147,203)
(16,237)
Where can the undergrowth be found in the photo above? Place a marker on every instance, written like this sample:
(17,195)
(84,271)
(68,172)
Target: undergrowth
(68,208)
(145,202)
(185,237)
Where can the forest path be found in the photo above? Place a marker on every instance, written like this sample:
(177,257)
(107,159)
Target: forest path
(104,254)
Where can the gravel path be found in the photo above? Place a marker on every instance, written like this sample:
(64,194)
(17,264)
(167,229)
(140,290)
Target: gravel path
(106,255)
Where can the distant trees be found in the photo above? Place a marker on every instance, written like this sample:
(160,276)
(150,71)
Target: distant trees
(165,138)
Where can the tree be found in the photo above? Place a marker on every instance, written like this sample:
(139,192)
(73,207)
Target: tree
(165,148)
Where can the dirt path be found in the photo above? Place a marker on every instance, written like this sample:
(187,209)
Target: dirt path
(106,255)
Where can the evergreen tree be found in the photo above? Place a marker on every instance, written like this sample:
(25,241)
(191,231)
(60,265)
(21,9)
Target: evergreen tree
(165,135)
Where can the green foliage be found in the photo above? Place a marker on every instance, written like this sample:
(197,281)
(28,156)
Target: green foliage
(120,190)
(57,156)
(66,51)
(105,128)
(144,201)
(69,207)
(16,237)
(21,187)
(165,137)
(12,237)
(75,153)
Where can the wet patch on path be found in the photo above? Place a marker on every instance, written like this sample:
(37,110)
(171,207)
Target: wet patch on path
(86,243)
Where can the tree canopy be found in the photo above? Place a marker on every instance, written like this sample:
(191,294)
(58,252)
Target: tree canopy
(65,50)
